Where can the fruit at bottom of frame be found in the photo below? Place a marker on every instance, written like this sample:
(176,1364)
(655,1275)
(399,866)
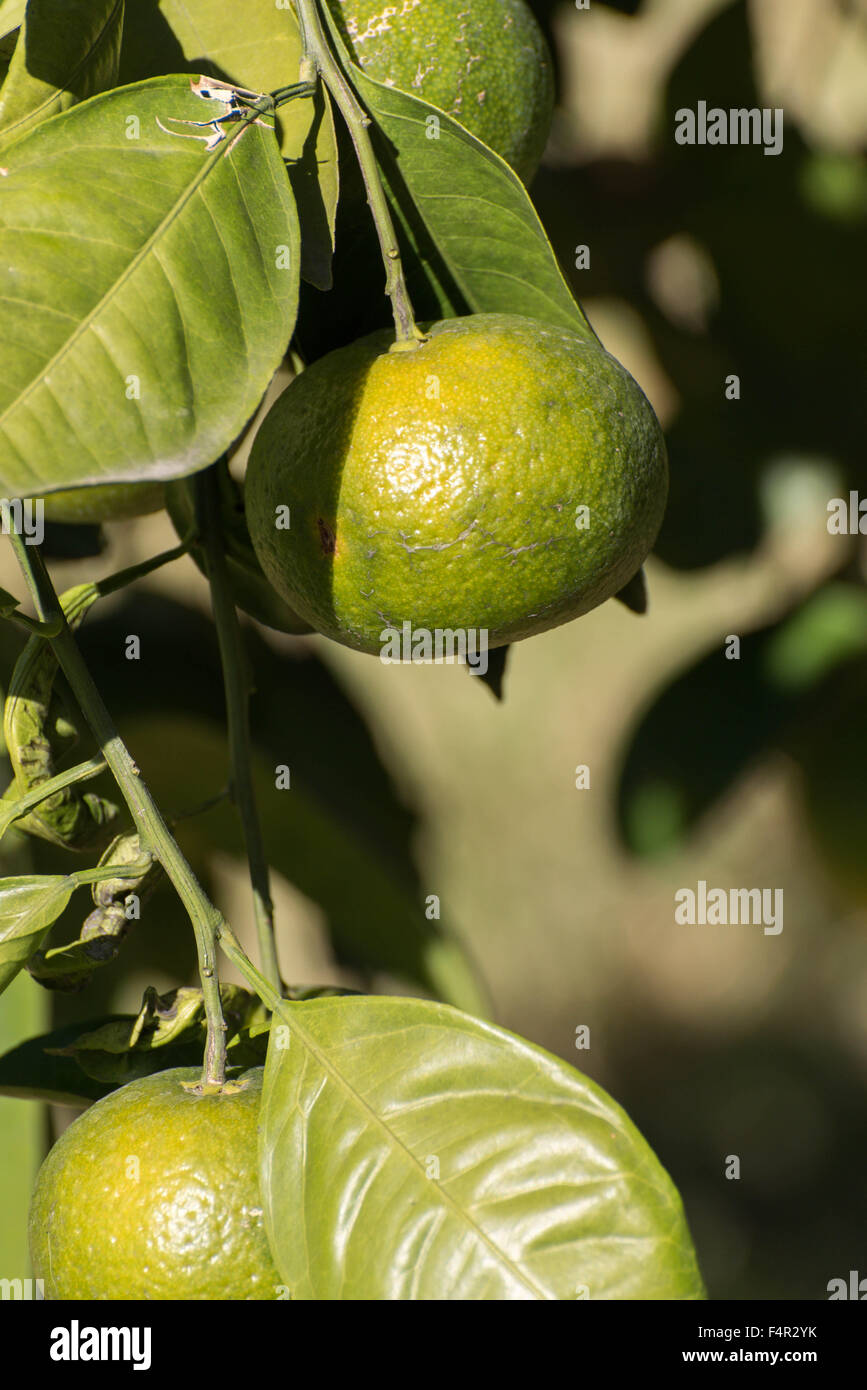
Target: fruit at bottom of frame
(504,475)
(153,1193)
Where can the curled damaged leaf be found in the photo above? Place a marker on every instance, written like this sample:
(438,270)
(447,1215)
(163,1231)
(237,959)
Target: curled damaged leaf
(49,1067)
(117,904)
(69,967)
(38,730)
(125,852)
(110,1053)
(236,107)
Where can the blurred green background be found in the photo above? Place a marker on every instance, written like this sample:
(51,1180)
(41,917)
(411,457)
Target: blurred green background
(406,783)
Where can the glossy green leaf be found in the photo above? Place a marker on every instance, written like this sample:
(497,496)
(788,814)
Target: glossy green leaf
(260,49)
(28,906)
(411,1152)
(148,287)
(475,209)
(67,50)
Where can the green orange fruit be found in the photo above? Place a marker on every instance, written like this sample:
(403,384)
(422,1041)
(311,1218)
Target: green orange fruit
(504,476)
(484,62)
(153,1193)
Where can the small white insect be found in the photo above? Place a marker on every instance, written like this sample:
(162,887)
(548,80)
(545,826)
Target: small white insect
(237,107)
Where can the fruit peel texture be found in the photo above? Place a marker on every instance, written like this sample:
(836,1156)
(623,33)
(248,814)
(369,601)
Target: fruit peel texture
(442,486)
(486,64)
(153,1193)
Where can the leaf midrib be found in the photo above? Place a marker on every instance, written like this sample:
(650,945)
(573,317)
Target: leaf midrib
(447,1200)
(137,260)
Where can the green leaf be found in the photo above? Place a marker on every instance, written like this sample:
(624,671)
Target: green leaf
(260,51)
(471,204)
(143,309)
(11,15)
(67,50)
(7,49)
(28,907)
(411,1152)
(40,1069)
(8,603)
(23,1130)
(315,179)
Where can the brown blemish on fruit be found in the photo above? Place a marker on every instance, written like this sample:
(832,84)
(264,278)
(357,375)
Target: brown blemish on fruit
(327,538)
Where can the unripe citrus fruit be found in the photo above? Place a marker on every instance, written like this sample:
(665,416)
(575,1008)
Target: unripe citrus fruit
(153,1193)
(504,475)
(484,62)
(104,502)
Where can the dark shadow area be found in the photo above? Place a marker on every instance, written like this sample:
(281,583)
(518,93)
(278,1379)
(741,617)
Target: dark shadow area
(358,304)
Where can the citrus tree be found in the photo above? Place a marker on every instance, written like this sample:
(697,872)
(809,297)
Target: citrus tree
(195,202)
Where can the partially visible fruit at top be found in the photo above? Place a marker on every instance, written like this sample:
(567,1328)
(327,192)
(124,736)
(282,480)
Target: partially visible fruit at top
(484,62)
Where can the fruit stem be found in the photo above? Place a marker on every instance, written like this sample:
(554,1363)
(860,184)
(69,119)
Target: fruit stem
(318,56)
(236,684)
(154,834)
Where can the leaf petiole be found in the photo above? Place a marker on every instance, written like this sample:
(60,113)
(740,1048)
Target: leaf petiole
(82,772)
